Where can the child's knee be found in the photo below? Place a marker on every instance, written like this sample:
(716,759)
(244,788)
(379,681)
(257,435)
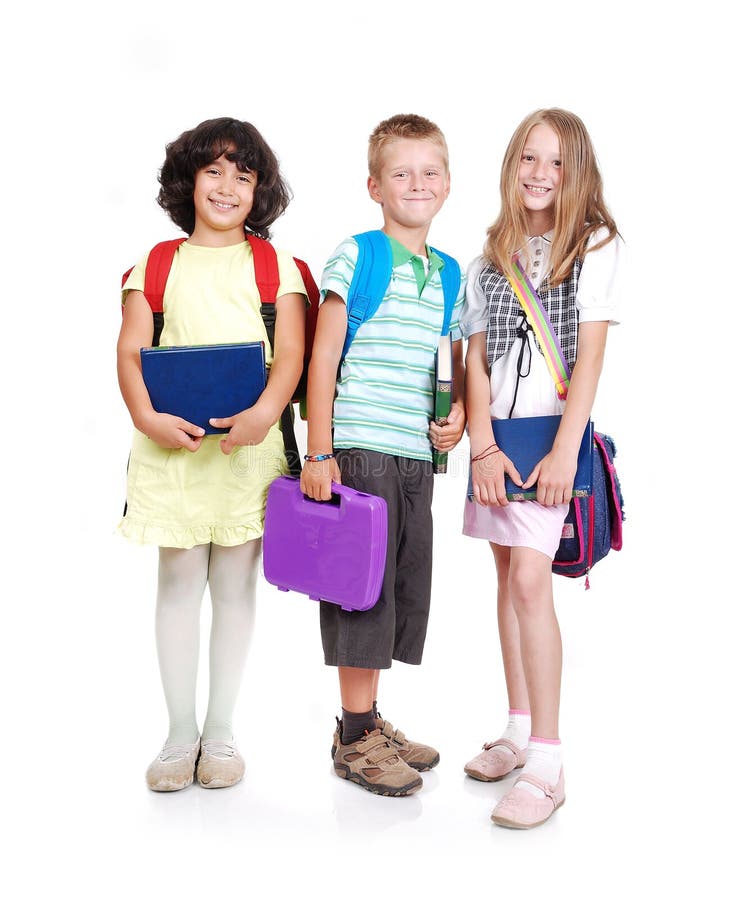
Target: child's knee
(529,587)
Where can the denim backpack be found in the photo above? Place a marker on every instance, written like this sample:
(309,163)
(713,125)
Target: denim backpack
(594,524)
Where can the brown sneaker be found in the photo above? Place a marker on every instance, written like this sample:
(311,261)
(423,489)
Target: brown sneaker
(375,765)
(416,756)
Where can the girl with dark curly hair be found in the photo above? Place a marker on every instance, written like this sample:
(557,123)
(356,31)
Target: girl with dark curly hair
(201,497)
(238,142)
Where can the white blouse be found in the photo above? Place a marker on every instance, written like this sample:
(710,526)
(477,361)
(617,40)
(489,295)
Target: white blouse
(597,300)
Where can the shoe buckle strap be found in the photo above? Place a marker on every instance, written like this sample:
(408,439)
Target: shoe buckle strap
(547,789)
(504,742)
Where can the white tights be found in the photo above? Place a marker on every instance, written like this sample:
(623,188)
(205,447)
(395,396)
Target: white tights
(231,575)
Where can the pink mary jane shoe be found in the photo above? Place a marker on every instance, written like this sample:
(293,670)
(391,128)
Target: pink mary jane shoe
(520,809)
(492,764)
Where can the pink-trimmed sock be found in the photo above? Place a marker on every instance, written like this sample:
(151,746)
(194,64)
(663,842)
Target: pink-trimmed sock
(517,730)
(518,727)
(543,761)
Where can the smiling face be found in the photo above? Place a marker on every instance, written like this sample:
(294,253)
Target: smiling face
(223,197)
(411,186)
(539,177)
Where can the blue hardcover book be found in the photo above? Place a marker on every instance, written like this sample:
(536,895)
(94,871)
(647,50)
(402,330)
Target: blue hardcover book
(204,382)
(527,440)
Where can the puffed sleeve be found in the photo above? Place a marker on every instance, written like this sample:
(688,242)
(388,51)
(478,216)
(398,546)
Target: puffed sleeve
(135,281)
(475,316)
(290,277)
(599,294)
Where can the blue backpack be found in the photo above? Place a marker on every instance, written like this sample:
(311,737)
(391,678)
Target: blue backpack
(594,524)
(371,278)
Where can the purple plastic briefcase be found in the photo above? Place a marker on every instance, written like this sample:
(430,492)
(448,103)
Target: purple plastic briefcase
(333,550)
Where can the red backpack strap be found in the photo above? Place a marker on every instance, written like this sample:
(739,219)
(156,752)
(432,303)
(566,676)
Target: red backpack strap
(159,263)
(267,277)
(265,260)
(312,292)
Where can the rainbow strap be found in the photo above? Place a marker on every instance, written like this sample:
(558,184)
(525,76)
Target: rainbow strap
(538,319)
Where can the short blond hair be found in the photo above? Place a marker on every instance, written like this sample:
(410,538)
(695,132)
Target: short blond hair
(409,126)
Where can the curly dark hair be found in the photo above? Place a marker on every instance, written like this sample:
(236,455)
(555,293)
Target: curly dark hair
(242,144)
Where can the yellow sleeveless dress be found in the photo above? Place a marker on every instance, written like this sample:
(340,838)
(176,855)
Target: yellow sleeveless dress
(176,498)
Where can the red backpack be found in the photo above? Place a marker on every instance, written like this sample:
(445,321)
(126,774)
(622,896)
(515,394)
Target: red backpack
(159,263)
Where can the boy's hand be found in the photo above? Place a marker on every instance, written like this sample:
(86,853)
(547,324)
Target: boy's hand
(317,478)
(445,437)
(248,427)
(171,432)
(555,475)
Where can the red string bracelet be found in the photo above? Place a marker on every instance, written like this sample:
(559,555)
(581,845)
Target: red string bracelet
(484,453)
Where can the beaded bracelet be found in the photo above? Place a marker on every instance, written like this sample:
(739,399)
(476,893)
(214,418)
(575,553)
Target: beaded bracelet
(319,457)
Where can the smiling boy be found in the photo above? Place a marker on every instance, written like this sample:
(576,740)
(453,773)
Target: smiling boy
(376,436)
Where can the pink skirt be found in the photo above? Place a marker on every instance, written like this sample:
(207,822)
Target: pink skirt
(522,523)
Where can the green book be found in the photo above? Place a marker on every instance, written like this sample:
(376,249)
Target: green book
(443,395)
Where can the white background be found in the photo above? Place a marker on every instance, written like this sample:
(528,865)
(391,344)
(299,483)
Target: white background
(91,95)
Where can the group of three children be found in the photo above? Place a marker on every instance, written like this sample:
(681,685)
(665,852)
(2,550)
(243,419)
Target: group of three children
(201,498)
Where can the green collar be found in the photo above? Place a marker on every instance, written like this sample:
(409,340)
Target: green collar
(401,255)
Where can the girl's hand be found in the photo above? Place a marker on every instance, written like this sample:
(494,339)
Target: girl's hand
(555,475)
(487,475)
(445,437)
(248,427)
(171,432)
(317,478)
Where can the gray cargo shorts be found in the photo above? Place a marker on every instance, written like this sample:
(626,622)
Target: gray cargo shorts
(395,628)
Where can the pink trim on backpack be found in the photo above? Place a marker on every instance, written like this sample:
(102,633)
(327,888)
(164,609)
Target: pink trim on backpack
(590,536)
(580,535)
(616,524)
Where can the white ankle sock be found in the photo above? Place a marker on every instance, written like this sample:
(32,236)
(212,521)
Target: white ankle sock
(517,730)
(518,727)
(543,761)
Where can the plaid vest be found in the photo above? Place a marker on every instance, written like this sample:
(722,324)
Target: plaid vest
(507,320)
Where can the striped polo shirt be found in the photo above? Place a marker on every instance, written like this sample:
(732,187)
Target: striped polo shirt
(384,396)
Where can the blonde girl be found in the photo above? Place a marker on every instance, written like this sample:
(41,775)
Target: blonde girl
(553,217)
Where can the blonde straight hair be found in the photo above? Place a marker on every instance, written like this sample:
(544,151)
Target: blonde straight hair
(580,209)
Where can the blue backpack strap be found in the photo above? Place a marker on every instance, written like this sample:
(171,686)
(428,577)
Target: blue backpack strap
(450,275)
(369,282)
